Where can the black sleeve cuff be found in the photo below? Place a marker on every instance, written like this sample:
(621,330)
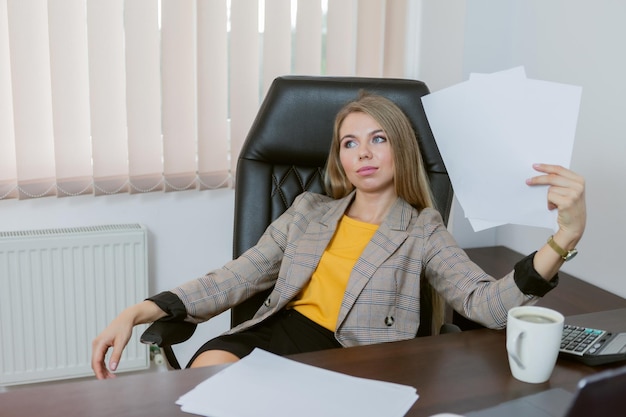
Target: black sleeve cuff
(528,279)
(171,304)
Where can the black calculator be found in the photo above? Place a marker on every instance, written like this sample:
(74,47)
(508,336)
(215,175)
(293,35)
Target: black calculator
(592,346)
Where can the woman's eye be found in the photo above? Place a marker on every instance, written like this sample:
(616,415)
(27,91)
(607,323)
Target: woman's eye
(349,144)
(379,139)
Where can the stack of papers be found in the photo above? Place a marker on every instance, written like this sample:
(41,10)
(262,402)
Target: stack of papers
(264,384)
(490,130)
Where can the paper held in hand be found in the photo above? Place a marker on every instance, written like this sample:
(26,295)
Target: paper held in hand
(490,130)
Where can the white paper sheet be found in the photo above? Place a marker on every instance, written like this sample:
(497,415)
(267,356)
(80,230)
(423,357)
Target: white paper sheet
(264,384)
(490,130)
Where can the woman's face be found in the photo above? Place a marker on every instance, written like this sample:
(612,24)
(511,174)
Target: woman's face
(365,154)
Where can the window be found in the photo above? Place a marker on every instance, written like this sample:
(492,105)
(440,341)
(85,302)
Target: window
(102,97)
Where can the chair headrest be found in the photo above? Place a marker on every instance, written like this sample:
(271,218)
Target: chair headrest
(294,125)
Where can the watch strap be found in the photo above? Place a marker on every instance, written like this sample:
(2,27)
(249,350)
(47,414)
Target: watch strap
(563,253)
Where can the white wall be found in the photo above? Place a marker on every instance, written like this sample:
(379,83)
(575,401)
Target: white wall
(437,50)
(587,49)
(569,41)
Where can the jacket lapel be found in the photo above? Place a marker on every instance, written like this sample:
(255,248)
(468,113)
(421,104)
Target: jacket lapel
(311,248)
(389,236)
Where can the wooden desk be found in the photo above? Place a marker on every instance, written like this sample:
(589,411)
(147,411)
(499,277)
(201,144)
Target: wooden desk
(456,372)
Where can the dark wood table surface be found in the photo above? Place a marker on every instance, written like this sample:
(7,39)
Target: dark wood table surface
(456,372)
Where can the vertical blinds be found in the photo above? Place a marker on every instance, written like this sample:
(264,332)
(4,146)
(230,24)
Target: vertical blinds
(102,97)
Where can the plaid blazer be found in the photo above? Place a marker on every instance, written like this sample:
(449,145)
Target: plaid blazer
(382,299)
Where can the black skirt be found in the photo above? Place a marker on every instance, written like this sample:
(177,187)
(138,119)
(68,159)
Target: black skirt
(285,333)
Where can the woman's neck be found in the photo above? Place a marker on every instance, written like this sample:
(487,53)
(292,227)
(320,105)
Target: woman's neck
(371,208)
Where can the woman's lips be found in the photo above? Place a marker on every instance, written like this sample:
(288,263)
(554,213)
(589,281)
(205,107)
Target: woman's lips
(366,170)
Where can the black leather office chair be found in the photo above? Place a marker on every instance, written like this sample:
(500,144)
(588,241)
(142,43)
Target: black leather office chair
(285,154)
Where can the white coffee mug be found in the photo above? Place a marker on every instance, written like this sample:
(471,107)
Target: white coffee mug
(533,339)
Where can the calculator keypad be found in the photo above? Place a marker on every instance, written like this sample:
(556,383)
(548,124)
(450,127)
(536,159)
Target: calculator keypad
(578,340)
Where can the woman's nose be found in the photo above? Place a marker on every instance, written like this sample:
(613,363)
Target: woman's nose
(364,152)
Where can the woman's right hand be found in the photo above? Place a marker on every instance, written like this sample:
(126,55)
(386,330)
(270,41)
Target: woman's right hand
(117,334)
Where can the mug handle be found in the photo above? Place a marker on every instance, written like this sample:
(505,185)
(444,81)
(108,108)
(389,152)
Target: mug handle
(512,346)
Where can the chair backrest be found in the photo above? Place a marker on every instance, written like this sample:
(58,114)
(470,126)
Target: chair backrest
(286,149)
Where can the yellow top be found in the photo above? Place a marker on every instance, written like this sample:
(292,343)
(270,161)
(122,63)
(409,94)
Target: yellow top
(320,300)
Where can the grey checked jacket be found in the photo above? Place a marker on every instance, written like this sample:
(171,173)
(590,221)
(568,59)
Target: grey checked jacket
(383,284)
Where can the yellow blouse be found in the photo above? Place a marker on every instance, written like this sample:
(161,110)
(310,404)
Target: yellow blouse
(320,300)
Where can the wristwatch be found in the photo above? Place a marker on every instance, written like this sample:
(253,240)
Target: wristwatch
(565,254)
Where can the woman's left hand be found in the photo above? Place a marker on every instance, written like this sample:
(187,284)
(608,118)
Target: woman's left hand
(566,193)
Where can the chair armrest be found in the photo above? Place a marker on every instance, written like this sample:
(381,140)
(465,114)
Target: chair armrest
(449,328)
(167,333)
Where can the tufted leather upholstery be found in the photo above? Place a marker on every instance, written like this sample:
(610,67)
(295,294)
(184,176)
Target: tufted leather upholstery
(286,149)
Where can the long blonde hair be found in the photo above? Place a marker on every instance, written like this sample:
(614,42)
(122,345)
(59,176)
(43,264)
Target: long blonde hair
(410,178)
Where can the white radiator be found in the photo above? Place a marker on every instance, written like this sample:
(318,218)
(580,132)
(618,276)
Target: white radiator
(58,290)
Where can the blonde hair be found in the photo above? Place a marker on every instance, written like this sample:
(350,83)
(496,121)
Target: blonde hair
(410,178)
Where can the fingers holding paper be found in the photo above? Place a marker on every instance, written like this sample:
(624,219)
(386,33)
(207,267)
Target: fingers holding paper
(566,193)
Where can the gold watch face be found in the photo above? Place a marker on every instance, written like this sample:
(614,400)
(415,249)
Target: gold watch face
(570,254)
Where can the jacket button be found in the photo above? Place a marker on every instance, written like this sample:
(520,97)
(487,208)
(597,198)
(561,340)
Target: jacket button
(268,302)
(389,320)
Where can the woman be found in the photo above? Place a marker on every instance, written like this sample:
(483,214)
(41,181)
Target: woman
(345,269)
